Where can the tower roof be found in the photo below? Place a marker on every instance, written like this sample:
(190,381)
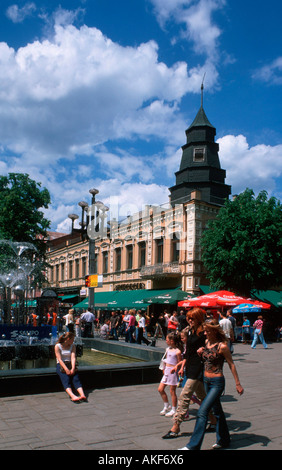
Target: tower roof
(201,118)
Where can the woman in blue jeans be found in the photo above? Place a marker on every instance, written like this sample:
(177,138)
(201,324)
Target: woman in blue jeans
(65,351)
(258,335)
(213,355)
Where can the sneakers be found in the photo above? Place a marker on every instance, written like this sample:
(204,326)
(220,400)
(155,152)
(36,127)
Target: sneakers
(220,446)
(165,410)
(170,413)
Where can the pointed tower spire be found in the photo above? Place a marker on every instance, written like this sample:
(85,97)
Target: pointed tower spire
(202,91)
(201,118)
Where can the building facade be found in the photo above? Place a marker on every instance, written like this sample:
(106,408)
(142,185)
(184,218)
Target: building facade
(158,248)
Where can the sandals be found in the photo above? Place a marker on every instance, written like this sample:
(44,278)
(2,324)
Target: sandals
(170,435)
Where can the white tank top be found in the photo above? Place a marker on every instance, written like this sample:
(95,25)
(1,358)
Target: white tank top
(65,353)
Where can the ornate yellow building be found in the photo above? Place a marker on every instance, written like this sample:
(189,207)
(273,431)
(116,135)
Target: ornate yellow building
(158,248)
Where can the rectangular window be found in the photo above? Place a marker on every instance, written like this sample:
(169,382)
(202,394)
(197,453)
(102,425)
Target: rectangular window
(118,259)
(129,252)
(105,262)
(70,270)
(175,248)
(84,266)
(159,250)
(62,271)
(77,268)
(142,254)
(199,154)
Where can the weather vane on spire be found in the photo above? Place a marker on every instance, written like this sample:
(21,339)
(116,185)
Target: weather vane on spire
(202,90)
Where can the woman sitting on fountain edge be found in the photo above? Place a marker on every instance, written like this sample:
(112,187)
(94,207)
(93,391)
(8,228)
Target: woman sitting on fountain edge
(65,352)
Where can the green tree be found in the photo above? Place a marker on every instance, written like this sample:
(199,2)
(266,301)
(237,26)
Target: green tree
(242,247)
(21,219)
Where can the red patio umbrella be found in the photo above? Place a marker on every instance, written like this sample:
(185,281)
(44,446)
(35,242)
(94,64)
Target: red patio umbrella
(198,303)
(207,300)
(219,298)
(230,299)
(260,304)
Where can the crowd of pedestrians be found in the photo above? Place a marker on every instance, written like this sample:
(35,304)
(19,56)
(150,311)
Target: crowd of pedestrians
(135,326)
(198,343)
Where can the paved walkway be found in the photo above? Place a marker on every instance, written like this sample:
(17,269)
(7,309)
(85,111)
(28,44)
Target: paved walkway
(127,418)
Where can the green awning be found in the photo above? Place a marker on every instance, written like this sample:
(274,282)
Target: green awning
(101,300)
(169,298)
(271,296)
(206,289)
(141,298)
(67,297)
(124,299)
(81,305)
(29,303)
(128,299)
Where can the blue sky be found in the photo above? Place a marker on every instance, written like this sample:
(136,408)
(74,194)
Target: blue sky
(99,93)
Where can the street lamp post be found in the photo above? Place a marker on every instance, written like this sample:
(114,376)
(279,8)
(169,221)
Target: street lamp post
(91,228)
(91,254)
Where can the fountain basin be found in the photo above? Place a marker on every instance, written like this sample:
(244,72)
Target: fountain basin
(7,353)
(32,381)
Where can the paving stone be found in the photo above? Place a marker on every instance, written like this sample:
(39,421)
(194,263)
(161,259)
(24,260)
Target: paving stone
(127,418)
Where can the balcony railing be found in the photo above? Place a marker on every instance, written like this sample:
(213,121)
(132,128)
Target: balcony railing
(160,270)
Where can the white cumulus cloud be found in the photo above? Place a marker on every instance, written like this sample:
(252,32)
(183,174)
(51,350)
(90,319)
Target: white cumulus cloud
(82,89)
(255,167)
(196,16)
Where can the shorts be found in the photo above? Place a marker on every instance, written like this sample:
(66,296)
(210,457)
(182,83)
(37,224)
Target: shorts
(168,378)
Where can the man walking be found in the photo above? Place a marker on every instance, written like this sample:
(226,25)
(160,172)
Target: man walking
(88,319)
(227,327)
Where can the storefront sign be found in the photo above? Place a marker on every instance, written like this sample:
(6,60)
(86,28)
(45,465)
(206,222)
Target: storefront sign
(13,332)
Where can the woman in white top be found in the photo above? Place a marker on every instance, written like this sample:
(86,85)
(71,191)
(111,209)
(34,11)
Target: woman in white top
(65,352)
(141,330)
(69,320)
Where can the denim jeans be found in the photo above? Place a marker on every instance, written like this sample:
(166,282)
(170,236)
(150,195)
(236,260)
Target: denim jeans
(68,380)
(113,332)
(129,334)
(258,335)
(214,388)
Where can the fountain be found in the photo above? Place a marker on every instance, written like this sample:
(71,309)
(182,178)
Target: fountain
(27,357)
(20,342)
(17,262)
(29,352)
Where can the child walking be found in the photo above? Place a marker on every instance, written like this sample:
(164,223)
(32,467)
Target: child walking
(173,356)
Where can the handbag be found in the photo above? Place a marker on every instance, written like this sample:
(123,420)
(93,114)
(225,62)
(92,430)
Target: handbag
(162,363)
